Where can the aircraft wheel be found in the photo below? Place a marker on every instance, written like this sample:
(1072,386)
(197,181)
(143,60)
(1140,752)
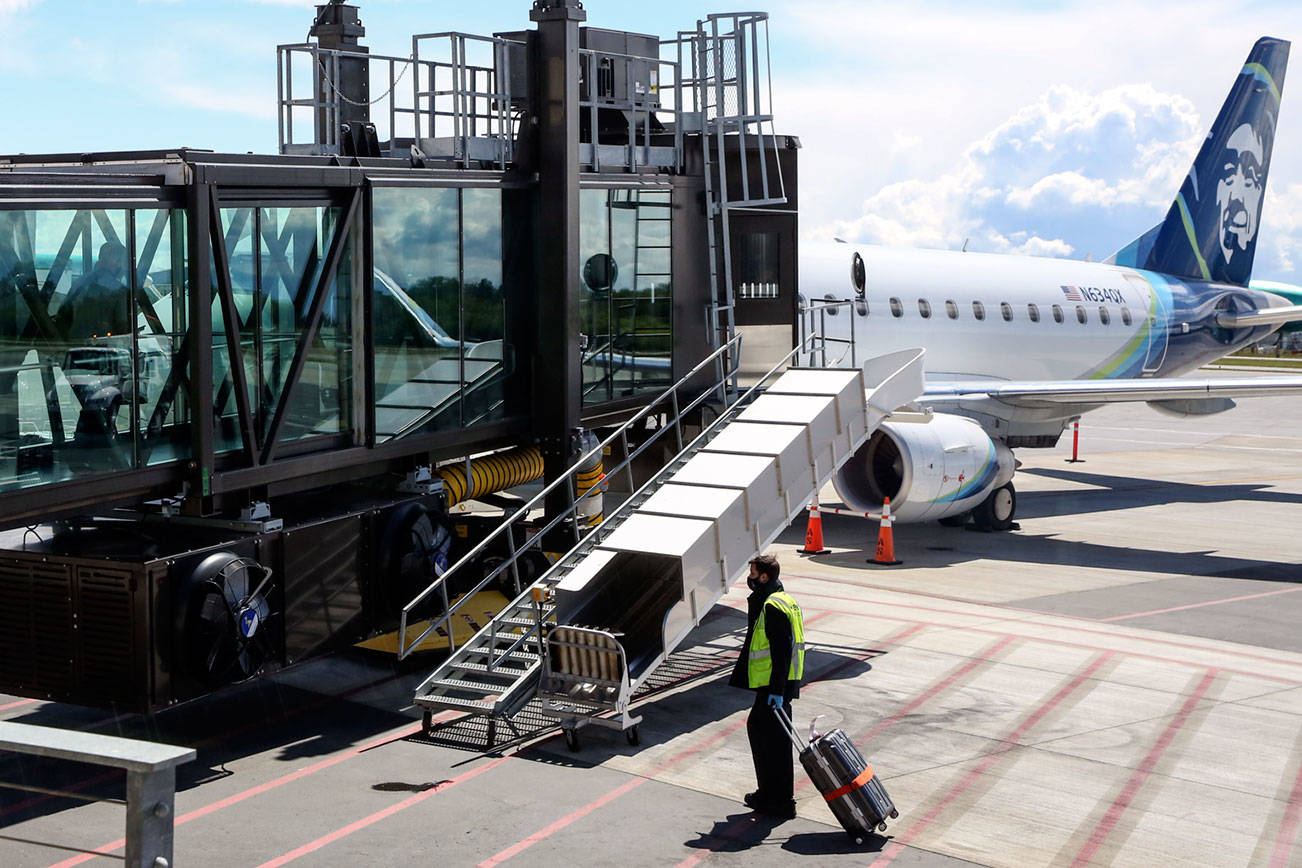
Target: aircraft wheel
(997,510)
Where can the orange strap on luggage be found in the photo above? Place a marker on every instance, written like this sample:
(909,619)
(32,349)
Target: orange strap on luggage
(864,777)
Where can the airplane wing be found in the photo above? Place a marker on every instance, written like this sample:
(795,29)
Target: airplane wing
(1265,316)
(1110,391)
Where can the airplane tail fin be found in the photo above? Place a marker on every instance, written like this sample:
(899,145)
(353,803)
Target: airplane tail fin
(1210,232)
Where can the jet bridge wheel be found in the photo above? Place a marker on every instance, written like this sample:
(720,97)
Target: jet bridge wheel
(997,510)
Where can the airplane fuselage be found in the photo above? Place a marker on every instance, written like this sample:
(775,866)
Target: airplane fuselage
(1019,318)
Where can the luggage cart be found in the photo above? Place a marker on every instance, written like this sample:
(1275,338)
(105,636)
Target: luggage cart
(585,680)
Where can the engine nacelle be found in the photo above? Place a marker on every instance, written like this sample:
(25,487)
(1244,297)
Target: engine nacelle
(929,470)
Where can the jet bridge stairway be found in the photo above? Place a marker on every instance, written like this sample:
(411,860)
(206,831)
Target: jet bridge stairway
(655,566)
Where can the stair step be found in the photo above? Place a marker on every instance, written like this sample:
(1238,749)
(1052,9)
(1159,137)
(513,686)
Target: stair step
(438,701)
(501,668)
(469,686)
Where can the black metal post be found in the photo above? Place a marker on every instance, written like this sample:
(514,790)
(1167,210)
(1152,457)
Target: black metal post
(558,374)
(337,27)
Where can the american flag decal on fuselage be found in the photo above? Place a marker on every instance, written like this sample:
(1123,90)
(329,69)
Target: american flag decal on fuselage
(1072,293)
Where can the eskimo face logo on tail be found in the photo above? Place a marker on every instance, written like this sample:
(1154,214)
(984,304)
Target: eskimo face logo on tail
(1239,189)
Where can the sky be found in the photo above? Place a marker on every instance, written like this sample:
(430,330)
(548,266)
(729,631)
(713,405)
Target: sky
(1053,129)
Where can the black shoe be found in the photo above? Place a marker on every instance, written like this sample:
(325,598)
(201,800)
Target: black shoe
(781,810)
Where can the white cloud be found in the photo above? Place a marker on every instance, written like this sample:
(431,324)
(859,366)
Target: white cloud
(8,6)
(1069,155)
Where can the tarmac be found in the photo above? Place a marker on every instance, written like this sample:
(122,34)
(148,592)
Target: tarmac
(1118,682)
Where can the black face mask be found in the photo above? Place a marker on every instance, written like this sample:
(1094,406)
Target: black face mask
(754,584)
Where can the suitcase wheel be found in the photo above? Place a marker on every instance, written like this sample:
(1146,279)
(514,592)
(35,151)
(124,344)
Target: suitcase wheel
(881,827)
(895,814)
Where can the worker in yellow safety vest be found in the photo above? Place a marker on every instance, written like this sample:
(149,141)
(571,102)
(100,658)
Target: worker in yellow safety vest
(772,664)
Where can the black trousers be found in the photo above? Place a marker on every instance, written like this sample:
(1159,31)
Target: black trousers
(770,749)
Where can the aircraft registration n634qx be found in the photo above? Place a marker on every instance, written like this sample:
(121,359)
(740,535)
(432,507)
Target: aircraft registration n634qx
(1017,347)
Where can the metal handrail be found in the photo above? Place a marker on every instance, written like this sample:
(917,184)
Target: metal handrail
(638,497)
(807,312)
(570,479)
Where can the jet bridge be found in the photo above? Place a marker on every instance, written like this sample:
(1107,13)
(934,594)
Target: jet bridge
(227,381)
(649,573)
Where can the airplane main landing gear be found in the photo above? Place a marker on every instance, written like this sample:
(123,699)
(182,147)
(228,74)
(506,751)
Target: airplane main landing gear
(997,510)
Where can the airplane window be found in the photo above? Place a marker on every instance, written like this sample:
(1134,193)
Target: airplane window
(1007,310)
(1104,316)
(951,309)
(1080,315)
(1057,313)
(924,308)
(897,309)
(1033,312)
(978,310)
(1125,315)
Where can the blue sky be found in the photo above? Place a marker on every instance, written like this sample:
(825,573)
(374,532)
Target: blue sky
(1055,129)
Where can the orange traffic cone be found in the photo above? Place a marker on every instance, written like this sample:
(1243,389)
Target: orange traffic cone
(814,532)
(885,556)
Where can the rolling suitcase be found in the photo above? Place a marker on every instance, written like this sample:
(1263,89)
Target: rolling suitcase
(855,795)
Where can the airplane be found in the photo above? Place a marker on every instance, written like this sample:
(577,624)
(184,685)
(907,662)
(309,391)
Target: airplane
(1018,347)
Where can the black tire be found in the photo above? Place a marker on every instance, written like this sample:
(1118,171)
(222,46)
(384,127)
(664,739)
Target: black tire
(895,815)
(997,511)
(427,723)
(954,520)
(572,740)
(634,737)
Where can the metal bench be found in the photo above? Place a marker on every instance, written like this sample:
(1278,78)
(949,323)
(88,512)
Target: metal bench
(151,780)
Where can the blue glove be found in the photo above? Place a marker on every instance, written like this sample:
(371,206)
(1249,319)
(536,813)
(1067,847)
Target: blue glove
(775,700)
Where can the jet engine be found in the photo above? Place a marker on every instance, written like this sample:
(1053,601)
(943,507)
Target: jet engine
(937,469)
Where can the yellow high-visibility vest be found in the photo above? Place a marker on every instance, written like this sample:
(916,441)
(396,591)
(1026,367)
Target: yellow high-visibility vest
(759,663)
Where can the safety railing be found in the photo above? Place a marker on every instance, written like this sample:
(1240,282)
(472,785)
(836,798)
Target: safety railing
(669,401)
(814,320)
(322,111)
(151,780)
(463,109)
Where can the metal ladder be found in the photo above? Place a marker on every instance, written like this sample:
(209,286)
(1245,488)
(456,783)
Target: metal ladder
(732,92)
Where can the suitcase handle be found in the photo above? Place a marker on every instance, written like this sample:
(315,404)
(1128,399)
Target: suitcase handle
(789,728)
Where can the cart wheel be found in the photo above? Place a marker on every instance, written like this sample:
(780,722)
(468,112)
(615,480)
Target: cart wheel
(572,739)
(427,722)
(881,827)
(895,815)
(858,842)
(634,737)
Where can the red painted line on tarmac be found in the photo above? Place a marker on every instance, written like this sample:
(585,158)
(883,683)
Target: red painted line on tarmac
(1103,829)
(1201,605)
(1081,629)
(1288,826)
(255,791)
(897,846)
(17,704)
(984,656)
(1138,655)
(224,736)
(313,846)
